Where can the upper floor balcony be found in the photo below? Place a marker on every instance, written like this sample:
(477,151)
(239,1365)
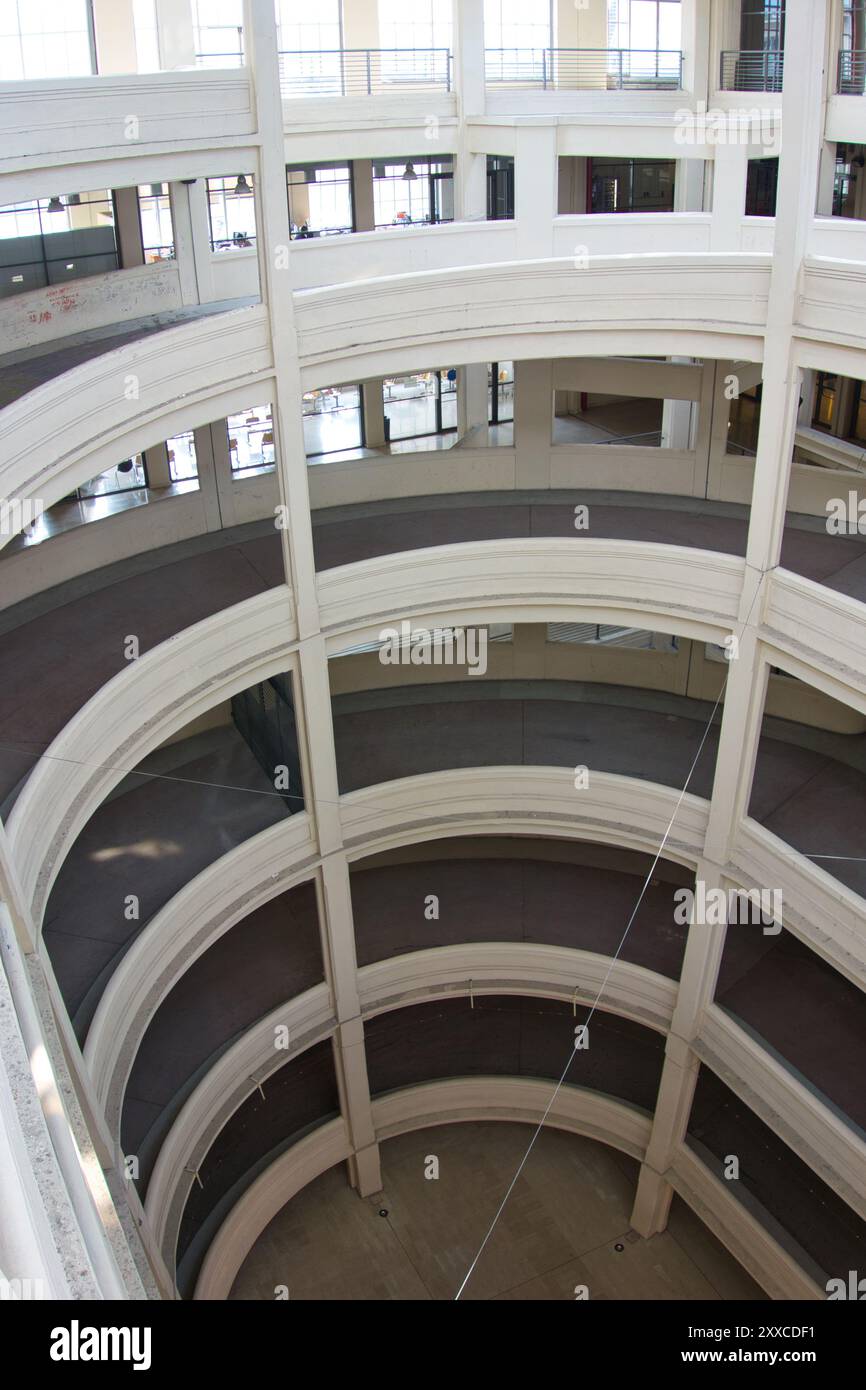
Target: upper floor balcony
(364,71)
(851,72)
(751,70)
(379,71)
(584,69)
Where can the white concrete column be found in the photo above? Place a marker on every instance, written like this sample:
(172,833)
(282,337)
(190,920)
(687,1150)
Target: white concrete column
(184,248)
(670,1121)
(701,960)
(175,34)
(322,792)
(533,422)
(470,166)
(739,736)
(472,398)
(335,913)
(360,24)
(730,168)
(373,407)
(128,227)
(156,464)
(114,31)
(826,179)
(312,689)
(679,420)
(362,195)
(468,33)
(677,424)
(199,231)
(803,124)
(211,455)
(535,190)
(696,44)
(365,1172)
(689,186)
(274,253)
(12,894)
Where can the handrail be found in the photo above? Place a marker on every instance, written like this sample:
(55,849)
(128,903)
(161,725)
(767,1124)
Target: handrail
(851,72)
(363,71)
(587,69)
(751,70)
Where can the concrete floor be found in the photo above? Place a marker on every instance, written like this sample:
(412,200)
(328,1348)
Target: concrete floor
(566,1216)
(21,372)
(66,650)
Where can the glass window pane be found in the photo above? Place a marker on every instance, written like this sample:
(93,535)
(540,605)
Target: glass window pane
(251,439)
(332,421)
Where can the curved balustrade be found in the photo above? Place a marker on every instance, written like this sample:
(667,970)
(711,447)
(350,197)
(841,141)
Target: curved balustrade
(169,687)
(711,305)
(129,398)
(535,580)
(511,801)
(506,1034)
(74,650)
(491,1098)
(807,1123)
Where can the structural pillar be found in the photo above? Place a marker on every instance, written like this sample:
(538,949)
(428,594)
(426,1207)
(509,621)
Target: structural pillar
(175,33)
(373,407)
(128,228)
(362,195)
(114,31)
(533,423)
(184,249)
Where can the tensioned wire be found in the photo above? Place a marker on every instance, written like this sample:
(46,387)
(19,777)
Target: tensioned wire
(613,960)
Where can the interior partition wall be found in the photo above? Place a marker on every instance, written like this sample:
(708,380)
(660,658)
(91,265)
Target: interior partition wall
(55,239)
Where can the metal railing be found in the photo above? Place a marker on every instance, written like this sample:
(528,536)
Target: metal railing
(751,70)
(851,72)
(584,69)
(233,59)
(364,71)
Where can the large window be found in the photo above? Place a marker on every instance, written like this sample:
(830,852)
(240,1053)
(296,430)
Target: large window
(127,475)
(848,180)
(500,392)
(421,404)
(218,30)
(414,190)
(47,241)
(333,421)
(518,24)
(500,187)
(45,38)
(762,181)
(157,230)
(251,439)
(182,462)
(309,27)
(825,401)
(146,35)
(320,199)
(310,38)
(744,421)
(857,427)
(408,30)
(648,25)
(632,185)
(232,212)
(762,26)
